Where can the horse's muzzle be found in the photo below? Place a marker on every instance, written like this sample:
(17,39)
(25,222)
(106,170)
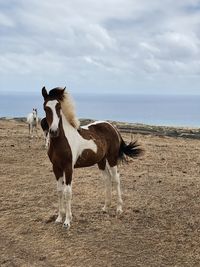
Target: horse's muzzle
(53,133)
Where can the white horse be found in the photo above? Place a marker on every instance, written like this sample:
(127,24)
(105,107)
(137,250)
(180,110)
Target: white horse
(32,120)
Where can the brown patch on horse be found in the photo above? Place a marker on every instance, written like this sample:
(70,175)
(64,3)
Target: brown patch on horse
(106,137)
(89,157)
(57,93)
(44,125)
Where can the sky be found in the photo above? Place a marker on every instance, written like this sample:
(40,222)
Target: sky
(107,46)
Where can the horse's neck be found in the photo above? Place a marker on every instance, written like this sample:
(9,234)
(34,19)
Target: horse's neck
(68,129)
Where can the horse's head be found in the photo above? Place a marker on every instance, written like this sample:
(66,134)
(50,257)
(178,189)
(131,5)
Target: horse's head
(34,114)
(52,108)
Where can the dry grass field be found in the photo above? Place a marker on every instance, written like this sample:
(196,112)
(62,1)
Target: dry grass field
(160,225)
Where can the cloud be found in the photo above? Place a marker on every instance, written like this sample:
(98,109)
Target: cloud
(112,43)
(5,21)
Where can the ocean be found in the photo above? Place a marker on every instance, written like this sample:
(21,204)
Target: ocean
(148,109)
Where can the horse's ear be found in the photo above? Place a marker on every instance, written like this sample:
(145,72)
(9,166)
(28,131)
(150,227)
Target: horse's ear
(44,92)
(65,91)
(62,92)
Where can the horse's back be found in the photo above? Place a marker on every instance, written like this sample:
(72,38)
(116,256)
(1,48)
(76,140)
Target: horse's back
(102,129)
(104,132)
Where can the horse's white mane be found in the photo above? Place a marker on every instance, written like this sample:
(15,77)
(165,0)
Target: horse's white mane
(68,109)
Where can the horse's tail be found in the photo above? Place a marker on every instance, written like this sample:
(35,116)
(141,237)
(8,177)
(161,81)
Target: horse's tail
(132,150)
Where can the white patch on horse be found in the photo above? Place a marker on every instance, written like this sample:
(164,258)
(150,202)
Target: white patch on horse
(52,105)
(77,143)
(86,127)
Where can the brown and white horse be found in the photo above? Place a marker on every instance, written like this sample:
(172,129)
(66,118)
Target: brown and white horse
(72,146)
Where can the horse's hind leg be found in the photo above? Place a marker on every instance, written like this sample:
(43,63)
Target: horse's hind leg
(116,182)
(108,186)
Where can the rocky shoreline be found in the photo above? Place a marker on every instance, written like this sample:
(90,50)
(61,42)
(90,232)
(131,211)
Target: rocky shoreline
(184,132)
(136,128)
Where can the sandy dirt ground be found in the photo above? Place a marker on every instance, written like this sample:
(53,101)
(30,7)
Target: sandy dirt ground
(160,225)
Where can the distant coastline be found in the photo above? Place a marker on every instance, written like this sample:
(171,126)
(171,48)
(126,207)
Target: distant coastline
(137,128)
(173,110)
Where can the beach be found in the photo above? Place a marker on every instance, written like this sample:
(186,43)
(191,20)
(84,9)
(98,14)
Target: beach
(160,223)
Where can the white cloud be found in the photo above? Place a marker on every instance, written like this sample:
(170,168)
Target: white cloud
(178,45)
(114,43)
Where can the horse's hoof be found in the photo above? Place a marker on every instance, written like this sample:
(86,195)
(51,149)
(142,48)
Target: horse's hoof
(119,210)
(105,209)
(58,220)
(66,225)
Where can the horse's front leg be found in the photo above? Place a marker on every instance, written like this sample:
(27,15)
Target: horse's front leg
(68,196)
(60,189)
(36,130)
(29,129)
